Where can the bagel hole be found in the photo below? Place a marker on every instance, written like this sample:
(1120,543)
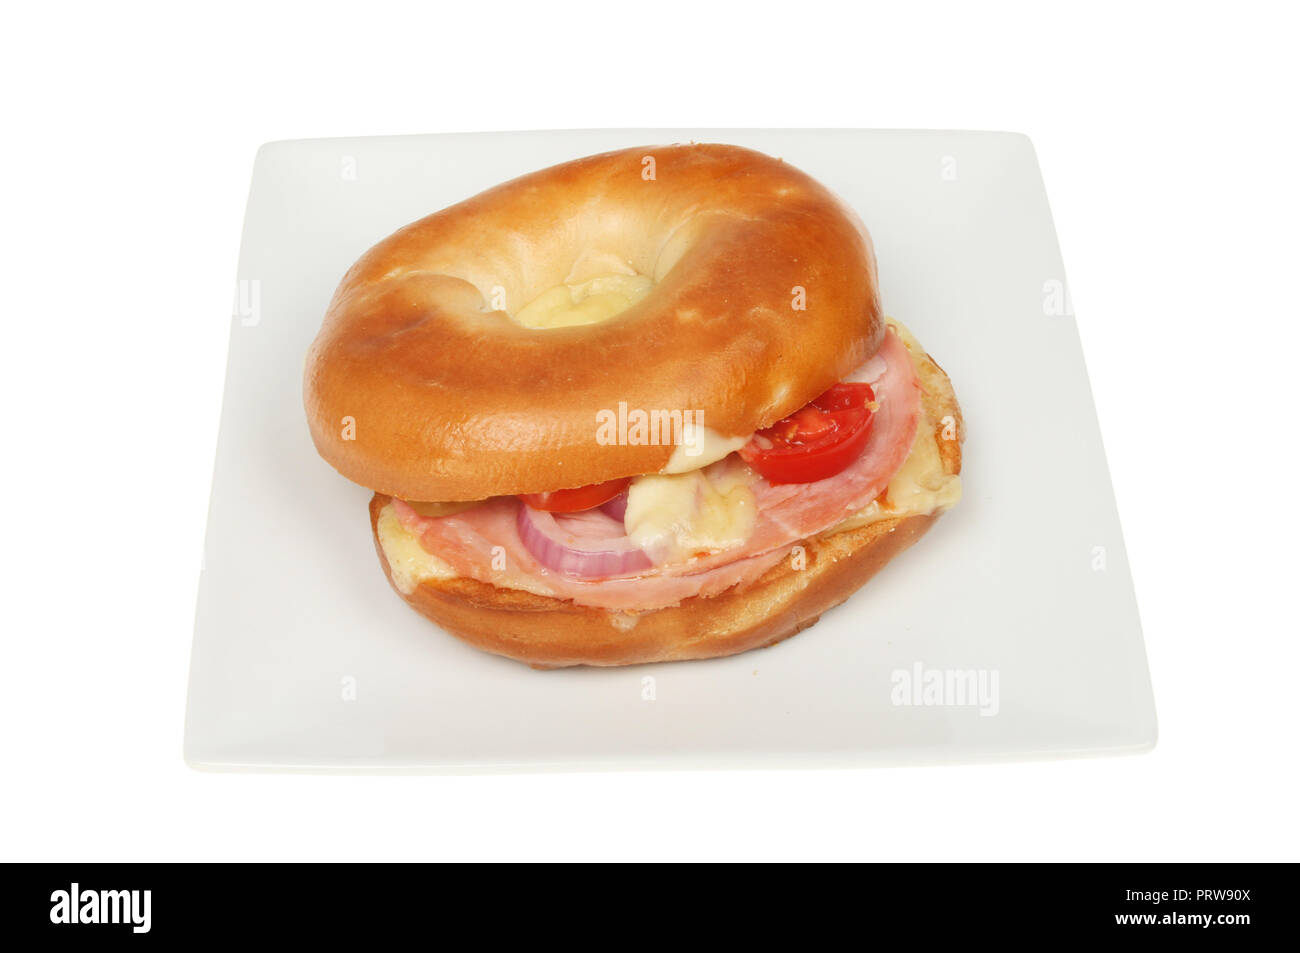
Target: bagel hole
(584,300)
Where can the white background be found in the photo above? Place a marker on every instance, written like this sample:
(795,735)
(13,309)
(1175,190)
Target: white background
(1169,148)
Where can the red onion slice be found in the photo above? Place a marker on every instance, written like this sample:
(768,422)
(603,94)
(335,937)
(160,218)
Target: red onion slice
(616,508)
(586,545)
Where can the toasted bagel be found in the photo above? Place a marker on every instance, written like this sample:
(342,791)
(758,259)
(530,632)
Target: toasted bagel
(788,598)
(421,385)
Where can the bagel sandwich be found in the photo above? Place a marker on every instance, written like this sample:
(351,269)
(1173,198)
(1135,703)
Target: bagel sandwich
(642,406)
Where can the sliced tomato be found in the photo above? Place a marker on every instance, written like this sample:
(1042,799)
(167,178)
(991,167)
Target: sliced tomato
(816,441)
(578,499)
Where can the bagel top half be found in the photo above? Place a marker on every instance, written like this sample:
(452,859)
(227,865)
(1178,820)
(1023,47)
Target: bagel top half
(423,384)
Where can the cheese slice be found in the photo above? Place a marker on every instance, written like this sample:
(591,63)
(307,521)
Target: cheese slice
(408,562)
(700,447)
(676,516)
(920,487)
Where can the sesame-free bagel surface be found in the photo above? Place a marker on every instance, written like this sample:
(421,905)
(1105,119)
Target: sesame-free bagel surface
(421,386)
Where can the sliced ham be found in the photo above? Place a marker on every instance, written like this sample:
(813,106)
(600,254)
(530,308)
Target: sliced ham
(467,543)
(790,512)
(483,542)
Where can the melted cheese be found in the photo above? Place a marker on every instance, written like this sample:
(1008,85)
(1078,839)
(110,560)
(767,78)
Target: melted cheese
(676,516)
(700,447)
(408,563)
(920,487)
(586,302)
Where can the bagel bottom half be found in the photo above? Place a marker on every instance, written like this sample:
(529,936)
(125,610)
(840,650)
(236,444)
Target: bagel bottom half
(555,633)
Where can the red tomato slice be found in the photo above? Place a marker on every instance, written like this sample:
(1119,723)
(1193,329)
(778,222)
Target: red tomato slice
(818,440)
(578,499)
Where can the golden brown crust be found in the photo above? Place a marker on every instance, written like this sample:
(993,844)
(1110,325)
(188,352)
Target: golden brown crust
(417,389)
(552,633)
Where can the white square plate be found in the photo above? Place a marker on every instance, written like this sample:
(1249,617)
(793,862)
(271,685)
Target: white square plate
(304,659)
